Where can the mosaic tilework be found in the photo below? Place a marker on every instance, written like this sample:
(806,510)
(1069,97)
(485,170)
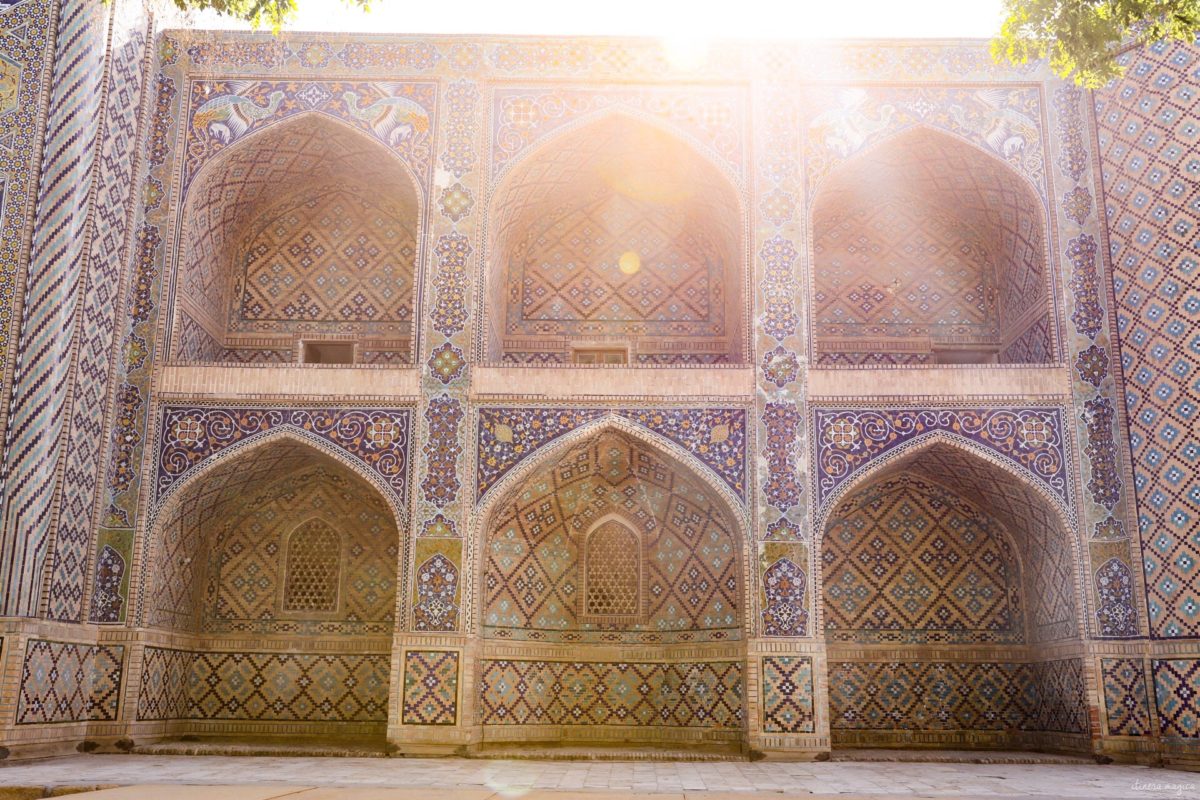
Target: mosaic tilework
(931,696)
(1062,698)
(785,612)
(264,686)
(507,436)
(908,561)
(163,691)
(1177,697)
(787,694)
(567,216)
(846,440)
(221,545)
(680,695)
(430,687)
(253,572)
(24,40)
(191,434)
(67,682)
(872,276)
(533,574)
(1149,146)
(400,115)
(109,248)
(289,686)
(41,388)
(945,696)
(1115,614)
(1125,700)
(443,415)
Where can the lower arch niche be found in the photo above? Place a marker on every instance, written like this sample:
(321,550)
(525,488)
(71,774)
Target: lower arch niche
(618,570)
(275,591)
(949,611)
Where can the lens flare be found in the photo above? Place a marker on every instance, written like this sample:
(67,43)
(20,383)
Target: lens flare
(629,262)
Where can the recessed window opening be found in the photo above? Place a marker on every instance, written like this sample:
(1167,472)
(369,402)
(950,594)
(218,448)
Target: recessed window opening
(319,352)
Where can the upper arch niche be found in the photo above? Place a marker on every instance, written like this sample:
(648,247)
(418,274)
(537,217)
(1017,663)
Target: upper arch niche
(299,243)
(616,242)
(928,250)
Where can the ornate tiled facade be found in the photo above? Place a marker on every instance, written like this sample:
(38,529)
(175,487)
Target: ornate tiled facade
(474,390)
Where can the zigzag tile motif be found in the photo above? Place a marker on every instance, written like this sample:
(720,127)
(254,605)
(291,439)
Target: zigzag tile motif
(1125,701)
(41,379)
(26,44)
(430,687)
(69,682)
(110,242)
(1177,697)
(705,694)
(787,694)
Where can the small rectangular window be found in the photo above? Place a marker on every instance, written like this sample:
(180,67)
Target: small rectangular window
(328,352)
(600,355)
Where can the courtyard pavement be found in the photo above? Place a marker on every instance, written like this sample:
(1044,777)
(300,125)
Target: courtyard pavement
(145,777)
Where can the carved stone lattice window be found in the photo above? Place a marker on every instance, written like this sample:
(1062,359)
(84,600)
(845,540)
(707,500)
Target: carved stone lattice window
(613,574)
(313,568)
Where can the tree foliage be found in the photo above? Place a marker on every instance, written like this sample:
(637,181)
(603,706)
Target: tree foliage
(259,13)
(1082,38)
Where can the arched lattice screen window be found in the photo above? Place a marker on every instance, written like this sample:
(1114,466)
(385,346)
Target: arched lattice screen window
(313,565)
(613,578)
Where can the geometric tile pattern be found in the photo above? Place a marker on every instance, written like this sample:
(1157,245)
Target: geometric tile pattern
(508,436)
(1177,697)
(702,694)
(377,437)
(618,231)
(289,686)
(1150,148)
(278,238)
(931,696)
(262,577)
(943,696)
(38,408)
(430,687)
(25,33)
(906,561)
(163,690)
(1030,438)
(1037,532)
(109,246)
(1125,701)
(223,549)
(949,253)
(534,583)
(69,682)
(787,694)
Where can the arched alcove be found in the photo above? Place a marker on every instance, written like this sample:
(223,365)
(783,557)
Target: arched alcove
(927,250)
(951,608)
(615,242)
(671,574)
(274,570)
(299,244)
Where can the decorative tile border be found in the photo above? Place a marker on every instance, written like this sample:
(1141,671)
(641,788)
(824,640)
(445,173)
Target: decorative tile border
(508,436)
(377,437)
(1032,439)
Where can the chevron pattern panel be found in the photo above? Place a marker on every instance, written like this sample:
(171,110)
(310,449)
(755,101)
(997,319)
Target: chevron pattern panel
(38,410)
(110,243)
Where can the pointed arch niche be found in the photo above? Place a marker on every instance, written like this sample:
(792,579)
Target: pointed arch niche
(274,572)
(926,250)
(299,244)
(951,609)
(616,242)
(620,572)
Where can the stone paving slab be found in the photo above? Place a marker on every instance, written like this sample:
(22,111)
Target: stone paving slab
(188,777)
